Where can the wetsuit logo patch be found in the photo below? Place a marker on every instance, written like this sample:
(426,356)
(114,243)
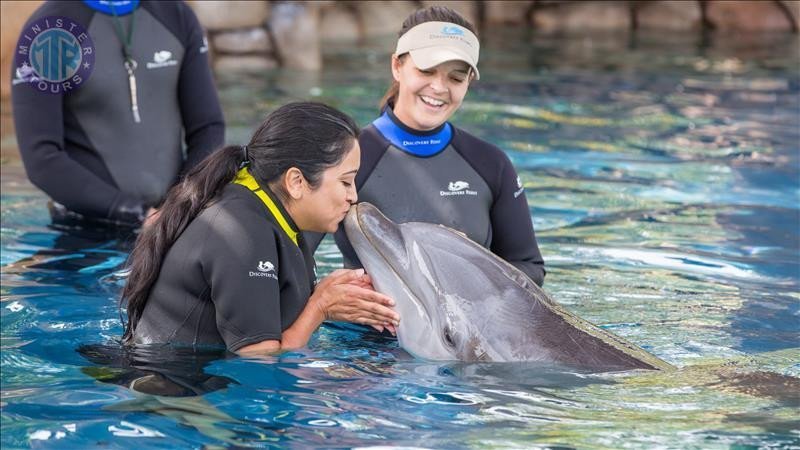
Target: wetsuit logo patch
(457,188)
(162,59)
(54,54)
(265,269)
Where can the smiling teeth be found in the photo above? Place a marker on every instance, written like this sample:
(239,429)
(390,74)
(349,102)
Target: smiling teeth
(431,101)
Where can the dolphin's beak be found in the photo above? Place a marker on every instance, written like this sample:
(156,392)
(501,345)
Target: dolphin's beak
(365,223)
(351,226)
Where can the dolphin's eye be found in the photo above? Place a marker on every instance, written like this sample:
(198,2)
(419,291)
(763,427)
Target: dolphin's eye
(448,337)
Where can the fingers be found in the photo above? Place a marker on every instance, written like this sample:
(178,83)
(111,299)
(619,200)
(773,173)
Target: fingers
(352,276)
(369,295)
(341,276)
(348,296)
(362,283)
(337,274)
(363,312)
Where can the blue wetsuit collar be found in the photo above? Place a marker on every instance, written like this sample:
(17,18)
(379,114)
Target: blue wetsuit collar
(415,142)
(121,7)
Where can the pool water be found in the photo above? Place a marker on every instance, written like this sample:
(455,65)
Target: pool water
(664,182)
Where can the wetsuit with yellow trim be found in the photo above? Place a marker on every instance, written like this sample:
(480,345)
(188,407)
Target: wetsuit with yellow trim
(239,274)
(450,177)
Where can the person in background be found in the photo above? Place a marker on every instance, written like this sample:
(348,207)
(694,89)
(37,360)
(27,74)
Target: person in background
(417,167)
(225,262)
(107,151)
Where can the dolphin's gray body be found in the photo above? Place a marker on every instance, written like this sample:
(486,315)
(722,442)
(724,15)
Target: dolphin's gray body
(458,301)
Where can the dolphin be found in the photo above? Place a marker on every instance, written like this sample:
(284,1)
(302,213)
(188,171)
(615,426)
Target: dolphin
(459,301)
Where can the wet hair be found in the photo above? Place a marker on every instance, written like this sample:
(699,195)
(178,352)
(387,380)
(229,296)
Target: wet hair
(429,14)
(309,136)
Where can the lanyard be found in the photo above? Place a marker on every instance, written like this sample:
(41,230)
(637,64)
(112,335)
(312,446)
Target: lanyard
(130,63)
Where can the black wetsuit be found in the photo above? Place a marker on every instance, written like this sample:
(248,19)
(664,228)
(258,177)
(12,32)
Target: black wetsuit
(83,147)
(234,277)
(450,177)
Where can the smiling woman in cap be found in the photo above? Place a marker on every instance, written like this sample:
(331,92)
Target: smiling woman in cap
(417,167)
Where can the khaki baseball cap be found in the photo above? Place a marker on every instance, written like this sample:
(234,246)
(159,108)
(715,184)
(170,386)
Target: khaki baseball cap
(432,43)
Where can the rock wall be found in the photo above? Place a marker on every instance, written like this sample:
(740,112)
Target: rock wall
(294,30)
(257,35)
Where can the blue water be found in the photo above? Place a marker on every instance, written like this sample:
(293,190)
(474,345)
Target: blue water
(664,183)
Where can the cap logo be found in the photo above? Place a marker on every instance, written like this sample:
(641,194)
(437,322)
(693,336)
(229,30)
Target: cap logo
(452,31)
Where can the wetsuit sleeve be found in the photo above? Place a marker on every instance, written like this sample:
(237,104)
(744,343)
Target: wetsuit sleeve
(513,238)
(39,123)
(240,264)
(200,109)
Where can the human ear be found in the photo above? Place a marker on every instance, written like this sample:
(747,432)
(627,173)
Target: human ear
(396,65)
(294,182)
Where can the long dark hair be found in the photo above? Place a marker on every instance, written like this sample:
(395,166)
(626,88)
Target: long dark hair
(309,136)
(429,14)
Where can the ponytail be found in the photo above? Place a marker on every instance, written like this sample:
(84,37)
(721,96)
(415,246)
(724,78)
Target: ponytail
(183,203)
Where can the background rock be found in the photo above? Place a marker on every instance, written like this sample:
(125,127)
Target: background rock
(249,40)
(506,12)
(583,16)
(241,63)
(338,23)
(668,15)
(384,18)
(229,15)
(747,16)
(295,29)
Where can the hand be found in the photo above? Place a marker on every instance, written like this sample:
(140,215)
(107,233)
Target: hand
(346,295)
(366,282)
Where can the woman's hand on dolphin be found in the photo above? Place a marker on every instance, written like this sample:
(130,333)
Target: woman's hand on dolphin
(365,281)
(346,295)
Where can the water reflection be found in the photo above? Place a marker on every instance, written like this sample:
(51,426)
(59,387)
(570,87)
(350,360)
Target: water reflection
(157,370)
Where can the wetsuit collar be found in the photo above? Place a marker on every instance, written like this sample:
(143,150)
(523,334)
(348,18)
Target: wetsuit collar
(274,206)
(415,142)
(120,7)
